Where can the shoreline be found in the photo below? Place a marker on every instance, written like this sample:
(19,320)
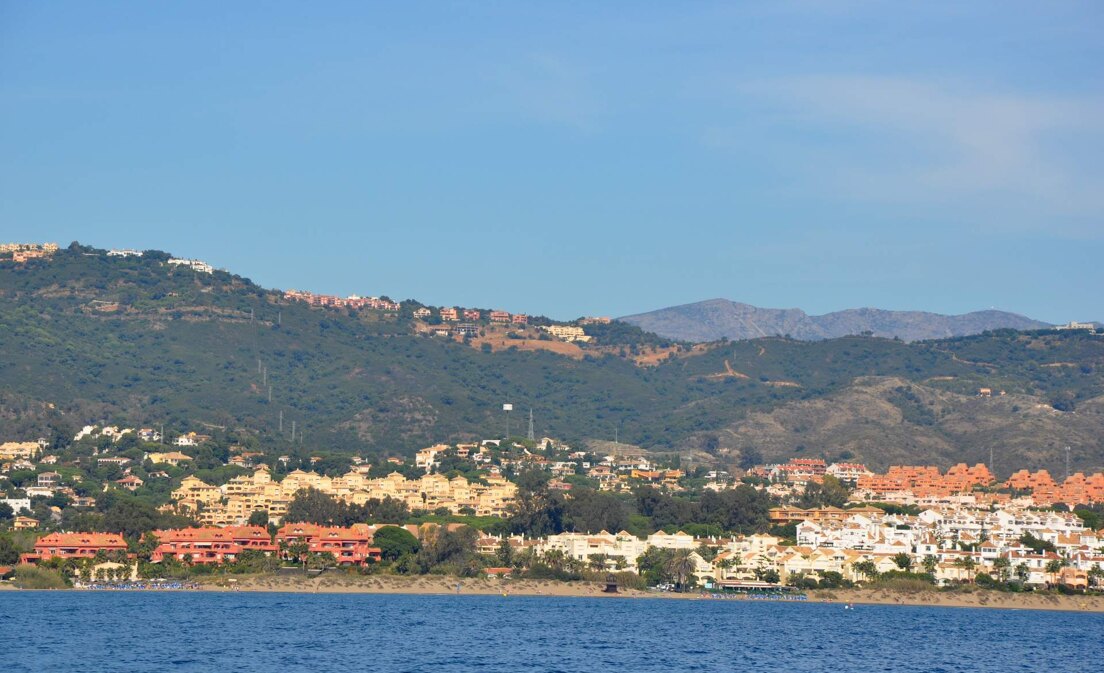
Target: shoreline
(438,585)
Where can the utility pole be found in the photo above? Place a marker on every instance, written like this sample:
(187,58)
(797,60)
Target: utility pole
(1067,462)
(506,409)
(281,420)
(531,435)
(991,462)
(265,380)
(293,432)
(270,394)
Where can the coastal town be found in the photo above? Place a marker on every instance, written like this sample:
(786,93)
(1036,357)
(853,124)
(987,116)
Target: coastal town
(953,527)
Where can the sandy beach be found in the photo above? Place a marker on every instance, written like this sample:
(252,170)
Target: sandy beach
(421,584)
(958,599)
(430,584)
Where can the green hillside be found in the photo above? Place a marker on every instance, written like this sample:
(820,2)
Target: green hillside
(88,338)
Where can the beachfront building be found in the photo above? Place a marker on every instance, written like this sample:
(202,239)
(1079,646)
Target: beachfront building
(74,546)
(211,545)
(349,546)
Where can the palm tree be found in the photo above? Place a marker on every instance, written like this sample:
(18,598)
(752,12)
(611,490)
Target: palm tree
(1053,567)
(681,567)
(725,564)
(574,565)
(555,558)
(867,569)
(1002,566)
(1023,572)
(597,561)
(968,564)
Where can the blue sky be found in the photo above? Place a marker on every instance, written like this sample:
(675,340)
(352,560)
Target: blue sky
(575,158)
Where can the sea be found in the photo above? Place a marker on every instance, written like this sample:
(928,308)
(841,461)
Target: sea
(258,632)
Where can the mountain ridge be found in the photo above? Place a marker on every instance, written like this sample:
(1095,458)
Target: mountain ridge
(86,337)
(716,319)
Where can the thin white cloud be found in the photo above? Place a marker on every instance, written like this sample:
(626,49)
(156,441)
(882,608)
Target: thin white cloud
(909,140)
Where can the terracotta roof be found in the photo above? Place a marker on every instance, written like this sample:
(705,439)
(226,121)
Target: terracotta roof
(81,540)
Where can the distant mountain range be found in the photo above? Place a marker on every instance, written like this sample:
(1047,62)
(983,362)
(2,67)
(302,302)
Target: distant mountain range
(715,319)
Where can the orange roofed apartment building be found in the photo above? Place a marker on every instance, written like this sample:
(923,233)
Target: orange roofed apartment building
(350,546)
(74,546)
(926,481)
(1077,489)
(210,545)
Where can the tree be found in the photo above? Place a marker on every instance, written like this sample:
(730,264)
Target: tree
(1037,545)
(536,513)
(505,553)
(126,514)
(742,509)
(830,493)
(681,567)
(749,458)
(590,511)
(597,561)
(258,518)
(653,565)
(1053,567)
(1022,572)
(6,512)
(313,506)
(867,569)
(388,510)
(930,564)
(447,548)
(967,563)
(320,561)
(1002,566)
(395,542)
(9,553)
(903,561)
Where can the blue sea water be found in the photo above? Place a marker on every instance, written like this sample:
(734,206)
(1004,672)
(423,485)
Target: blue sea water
(254,632)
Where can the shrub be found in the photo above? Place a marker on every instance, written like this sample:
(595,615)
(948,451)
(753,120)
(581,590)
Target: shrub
(33,577)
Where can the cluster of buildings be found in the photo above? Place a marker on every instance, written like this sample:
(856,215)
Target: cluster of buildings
(210,545)
(619,473)
(1077,488)
(927,485)
(567,332)
(21,252)
(954,544)
(1074,325)
(472,315)
(352,301)
(194,264)
(234,502)
(805,470)
(925,481)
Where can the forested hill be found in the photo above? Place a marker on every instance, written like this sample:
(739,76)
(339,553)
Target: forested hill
(89,338)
